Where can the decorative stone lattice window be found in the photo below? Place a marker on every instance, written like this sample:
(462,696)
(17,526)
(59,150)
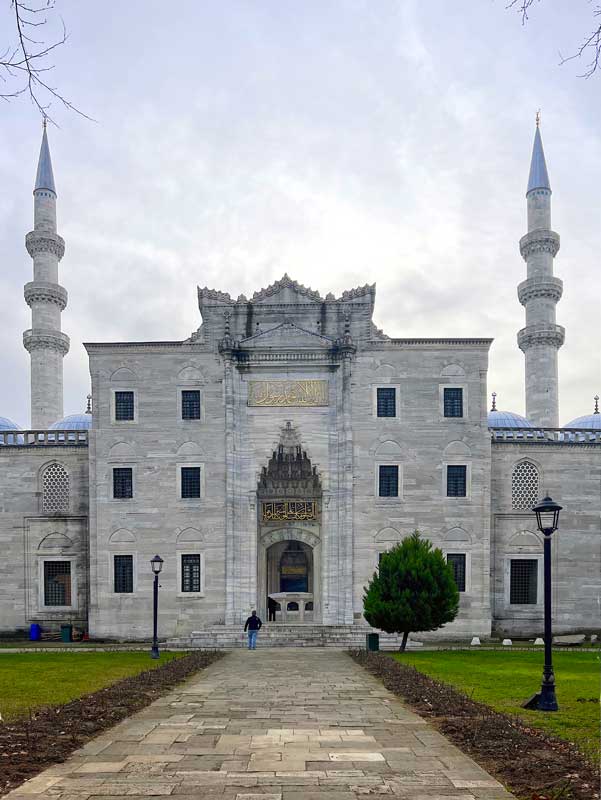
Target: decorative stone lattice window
(55,489)
(524,485)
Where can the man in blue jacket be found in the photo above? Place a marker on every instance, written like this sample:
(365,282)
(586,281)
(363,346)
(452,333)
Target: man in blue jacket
(253,626)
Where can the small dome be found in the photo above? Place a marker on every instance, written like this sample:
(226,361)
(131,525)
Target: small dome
(74,422)
(590,422)
(7,424)
(507,419)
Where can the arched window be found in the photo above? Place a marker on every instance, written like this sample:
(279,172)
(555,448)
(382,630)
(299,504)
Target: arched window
(55,489)
(524,485)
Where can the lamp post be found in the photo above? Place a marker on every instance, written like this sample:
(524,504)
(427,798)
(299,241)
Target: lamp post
(157,565)
(547,519)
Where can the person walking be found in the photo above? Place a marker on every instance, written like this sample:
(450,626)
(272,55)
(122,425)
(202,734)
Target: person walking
(253,626)
(271,608)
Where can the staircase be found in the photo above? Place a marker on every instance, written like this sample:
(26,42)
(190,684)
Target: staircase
(286,635)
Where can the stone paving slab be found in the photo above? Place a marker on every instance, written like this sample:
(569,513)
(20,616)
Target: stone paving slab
(270,725)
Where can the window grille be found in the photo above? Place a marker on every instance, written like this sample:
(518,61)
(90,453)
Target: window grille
(456,481)
(190,482)
(55,489)
(57,583)
(453,402)
(122,482)
(388,483)
(523,584)
(524,486)
(191,573)
(124,574)
(124,406)
(190,404)
(386,402)
(457,561)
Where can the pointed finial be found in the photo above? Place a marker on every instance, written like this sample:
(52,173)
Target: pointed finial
(538,177)
(89,405)
(44,120)
(596,399)
(538,118)
(44,178)
(494,401)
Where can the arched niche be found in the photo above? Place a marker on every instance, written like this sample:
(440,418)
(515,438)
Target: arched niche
(525,539)
(388,535)
(457,535)
(190,374)
(388,450)
(385,371)
(290,534)
(56,541)
(457,449)
(122,536)
(452,371)
(122,451)
(189,536)
(124,375)
(189,449)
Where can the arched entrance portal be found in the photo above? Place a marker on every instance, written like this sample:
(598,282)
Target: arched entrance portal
(289,527)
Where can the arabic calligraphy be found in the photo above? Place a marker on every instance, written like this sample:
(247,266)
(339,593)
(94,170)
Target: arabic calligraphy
(289,510)
(288,393)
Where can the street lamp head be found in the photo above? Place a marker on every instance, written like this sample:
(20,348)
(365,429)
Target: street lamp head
(157,564)
(547,515)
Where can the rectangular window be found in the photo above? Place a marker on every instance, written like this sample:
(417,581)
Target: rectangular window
(191,573)
(57,583)
(523,584)
(122,482)
(124,406)
(388,480)
(190,482)
(456,481)
(124,574)
(457,562)
(453,402)
(191,404)
(386,402)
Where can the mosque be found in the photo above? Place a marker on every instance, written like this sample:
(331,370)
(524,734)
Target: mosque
(275,454)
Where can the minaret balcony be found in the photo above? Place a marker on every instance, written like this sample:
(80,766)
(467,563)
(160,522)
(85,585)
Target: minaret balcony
(41,339)
(531,288)
(45,242)
(541,333)
(42,292)
(539,241)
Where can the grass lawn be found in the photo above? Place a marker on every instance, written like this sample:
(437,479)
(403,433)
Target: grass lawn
(30,680)
(504,680)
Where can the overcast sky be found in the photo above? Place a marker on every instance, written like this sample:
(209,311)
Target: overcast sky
(343,142)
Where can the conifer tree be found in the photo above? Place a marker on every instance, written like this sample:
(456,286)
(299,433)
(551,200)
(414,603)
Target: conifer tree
(412,590)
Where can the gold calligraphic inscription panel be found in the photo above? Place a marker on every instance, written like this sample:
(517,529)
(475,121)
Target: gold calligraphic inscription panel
(283,510)
(282,394)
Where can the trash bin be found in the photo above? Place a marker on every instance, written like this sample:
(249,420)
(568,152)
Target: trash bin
(372,642)
(35,632)
(66,633)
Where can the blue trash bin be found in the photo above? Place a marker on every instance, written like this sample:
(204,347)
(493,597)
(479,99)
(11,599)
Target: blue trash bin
(35,632)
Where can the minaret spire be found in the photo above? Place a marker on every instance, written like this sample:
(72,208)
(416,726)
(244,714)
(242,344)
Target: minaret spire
(539,293)
(46,344)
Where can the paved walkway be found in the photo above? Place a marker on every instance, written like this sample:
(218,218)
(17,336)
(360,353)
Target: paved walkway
(290,724)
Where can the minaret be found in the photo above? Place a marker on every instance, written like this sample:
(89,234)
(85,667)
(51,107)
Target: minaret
(539,293)
(46,344)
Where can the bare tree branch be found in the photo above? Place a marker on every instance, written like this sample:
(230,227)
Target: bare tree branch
(591,43)
(23,66)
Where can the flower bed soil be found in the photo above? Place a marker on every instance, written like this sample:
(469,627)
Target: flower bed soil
(49,735)
(531,763)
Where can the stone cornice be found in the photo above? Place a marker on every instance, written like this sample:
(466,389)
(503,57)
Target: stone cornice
(540,287)
(40,339)
(389,344)
(45,242)
(41,292)
(539,241)
(542,333)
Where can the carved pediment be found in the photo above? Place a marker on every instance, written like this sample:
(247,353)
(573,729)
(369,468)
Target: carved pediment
(286,291)
(287,335)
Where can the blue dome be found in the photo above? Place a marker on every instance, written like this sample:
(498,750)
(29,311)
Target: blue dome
(507,419)
(74,422)
(588,422)
(7,424)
